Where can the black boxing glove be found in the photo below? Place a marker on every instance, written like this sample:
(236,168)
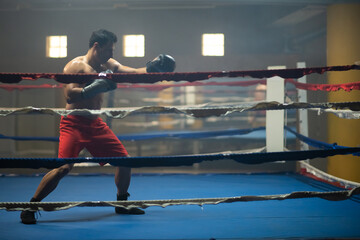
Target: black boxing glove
(162,63)
(98,86)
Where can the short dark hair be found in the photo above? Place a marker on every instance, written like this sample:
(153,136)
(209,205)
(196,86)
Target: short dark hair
(102,37)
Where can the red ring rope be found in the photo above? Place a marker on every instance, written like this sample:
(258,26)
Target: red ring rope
(155,77)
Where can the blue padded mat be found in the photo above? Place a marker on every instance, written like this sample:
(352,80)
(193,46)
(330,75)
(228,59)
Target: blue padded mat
(298,218)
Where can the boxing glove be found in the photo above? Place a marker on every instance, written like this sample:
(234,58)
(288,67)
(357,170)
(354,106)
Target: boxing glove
(98,86)
(162,63)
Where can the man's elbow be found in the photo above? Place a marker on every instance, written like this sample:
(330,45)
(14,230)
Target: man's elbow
(69,100)
(73,98)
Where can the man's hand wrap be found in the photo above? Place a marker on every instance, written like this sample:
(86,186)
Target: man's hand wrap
(98,86)
(162,63)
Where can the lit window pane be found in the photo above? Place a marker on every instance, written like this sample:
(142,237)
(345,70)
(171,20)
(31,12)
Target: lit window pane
(54,41)
(63,52)
(213,44)
(140,52)
(63,41)
(134,45)
(130,52)
(56,46)
(54,52)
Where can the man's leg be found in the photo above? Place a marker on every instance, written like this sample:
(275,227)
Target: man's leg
(51,180)
(122,182)
(122,179)
(46,186)
(106,144)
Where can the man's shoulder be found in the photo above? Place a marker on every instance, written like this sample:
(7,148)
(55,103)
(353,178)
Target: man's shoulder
(78,65)
(112,64)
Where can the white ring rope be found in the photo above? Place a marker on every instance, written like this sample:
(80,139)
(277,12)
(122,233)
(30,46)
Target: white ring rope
(204,110)
(55,206)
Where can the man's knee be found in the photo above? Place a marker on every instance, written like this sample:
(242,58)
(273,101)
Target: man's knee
(64,170)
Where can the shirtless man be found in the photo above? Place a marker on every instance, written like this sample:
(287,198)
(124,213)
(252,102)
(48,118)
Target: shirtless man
(78,132)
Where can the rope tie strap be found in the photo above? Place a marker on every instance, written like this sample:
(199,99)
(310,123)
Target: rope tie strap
(55,206)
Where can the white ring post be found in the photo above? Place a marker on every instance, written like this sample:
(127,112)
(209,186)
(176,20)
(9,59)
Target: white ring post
(303,113)
(275,91)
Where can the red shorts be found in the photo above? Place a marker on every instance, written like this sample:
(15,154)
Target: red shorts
(77,133)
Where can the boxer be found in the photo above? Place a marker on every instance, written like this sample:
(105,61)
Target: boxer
(79,132)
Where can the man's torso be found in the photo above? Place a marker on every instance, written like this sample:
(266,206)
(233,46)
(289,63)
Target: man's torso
(80,65)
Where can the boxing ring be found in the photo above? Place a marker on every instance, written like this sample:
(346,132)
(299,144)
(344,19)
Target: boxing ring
(306,204)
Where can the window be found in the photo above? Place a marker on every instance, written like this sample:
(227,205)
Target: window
(56,46)
(134,45)
(213,44)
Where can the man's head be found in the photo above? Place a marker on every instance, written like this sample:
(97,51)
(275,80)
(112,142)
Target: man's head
(103,43)
(102,37)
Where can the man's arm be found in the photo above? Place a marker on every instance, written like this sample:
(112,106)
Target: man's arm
(119,68)
(162,63)
(73,93)
(73,90)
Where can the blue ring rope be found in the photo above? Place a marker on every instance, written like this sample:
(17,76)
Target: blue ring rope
(173,161)
(193,134)
(147,136)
